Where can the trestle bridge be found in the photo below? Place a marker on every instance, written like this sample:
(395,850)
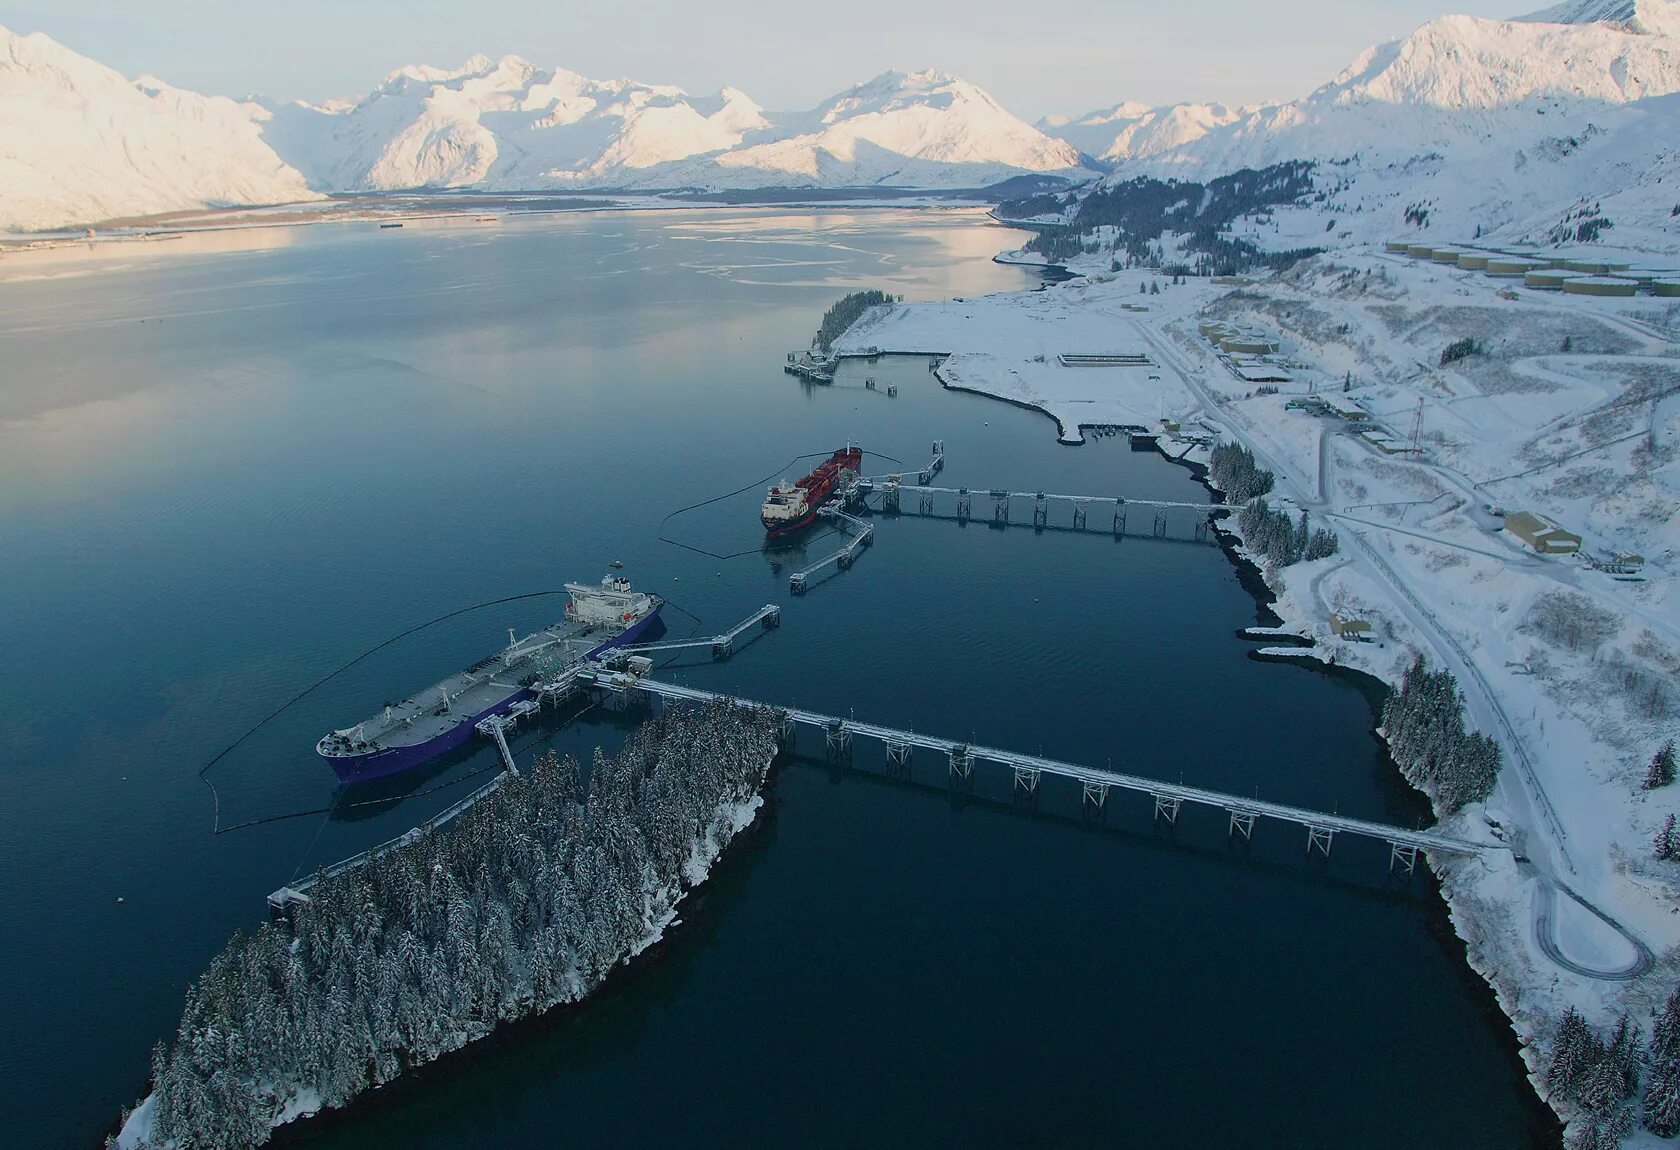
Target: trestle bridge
(960,757)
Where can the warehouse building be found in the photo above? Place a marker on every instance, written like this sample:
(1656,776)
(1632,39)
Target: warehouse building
(1542,534)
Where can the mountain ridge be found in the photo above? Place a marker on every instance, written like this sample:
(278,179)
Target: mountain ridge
(120,147)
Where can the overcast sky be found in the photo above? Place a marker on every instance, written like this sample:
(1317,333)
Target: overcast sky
(1070,56)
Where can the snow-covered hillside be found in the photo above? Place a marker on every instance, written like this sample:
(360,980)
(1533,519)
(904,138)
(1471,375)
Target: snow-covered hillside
(1133,131)
(503,123)
(918,129)
(1457,80)
(79,142)
(508,125)
(1509,130)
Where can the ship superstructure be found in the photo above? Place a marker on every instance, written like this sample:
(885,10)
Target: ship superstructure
(791,505)
(444,715)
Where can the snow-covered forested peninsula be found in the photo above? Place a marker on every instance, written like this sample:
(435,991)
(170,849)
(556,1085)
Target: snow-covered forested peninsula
(525,904)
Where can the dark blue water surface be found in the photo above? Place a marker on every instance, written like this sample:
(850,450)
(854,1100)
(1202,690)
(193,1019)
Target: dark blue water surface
(225,472)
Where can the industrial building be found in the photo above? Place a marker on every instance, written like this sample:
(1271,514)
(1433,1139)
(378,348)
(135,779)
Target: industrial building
(1247,344)
(1542,534)
(1352,629)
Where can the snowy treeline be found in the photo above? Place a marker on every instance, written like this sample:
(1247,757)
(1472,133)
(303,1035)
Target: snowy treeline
(846,312)
(1601,1078)
(1280,539)
(1131,217)
(1233,471)
(526,903)
(1270,534)
(1424,722)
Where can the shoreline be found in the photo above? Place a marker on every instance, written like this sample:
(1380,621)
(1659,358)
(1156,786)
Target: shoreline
(1481,975)
(409,207)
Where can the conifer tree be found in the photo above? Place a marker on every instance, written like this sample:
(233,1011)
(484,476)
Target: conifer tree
(1665,843)
(1661,1111)
(1661,771)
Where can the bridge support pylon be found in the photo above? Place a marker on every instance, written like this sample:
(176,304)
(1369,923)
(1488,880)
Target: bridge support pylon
(1166,807)
(1400,854)
(898,756)
(1242,823)
(1320,839)
(962,763)
(1041,512)
(1080,506)
(1000,507)
(1026,781)
(838,741)
(962,505)
(1095,796)
(1119,517)
(924,502)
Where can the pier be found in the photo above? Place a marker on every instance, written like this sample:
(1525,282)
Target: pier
(767,618)
(1168,798)
(961,758)
(862,536)
(890,488)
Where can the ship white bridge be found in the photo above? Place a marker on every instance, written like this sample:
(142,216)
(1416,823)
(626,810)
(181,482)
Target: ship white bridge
(1169,798)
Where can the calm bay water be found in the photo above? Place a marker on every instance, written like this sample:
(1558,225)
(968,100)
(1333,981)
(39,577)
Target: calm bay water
(225,472)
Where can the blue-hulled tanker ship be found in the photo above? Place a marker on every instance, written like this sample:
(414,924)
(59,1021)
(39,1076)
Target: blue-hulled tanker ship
(445,715)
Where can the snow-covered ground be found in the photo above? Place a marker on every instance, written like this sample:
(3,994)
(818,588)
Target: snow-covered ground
(1570,411)
(1008,346)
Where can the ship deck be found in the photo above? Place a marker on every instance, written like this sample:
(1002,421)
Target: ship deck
(424,716)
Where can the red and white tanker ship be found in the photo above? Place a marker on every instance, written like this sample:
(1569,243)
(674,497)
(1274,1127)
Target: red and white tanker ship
(791,506)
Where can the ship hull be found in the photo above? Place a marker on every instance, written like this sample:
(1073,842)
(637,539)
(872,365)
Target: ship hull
(389,761)
(787,526)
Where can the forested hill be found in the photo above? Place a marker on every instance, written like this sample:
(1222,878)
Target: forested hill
(847,311)
(526,903)
(1141,210)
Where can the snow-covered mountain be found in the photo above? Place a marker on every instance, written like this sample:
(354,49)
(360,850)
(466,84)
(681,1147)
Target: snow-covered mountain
(1456,80)
(1459,92)
(503,124)
(79,142)
(917,129)
(1133,131)
(1473,126)
(508,125)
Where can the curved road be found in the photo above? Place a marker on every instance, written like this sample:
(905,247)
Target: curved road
(1528,799)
